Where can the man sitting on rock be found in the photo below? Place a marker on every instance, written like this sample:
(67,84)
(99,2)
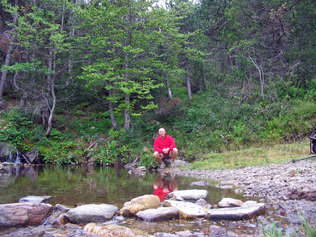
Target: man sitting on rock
(165,148)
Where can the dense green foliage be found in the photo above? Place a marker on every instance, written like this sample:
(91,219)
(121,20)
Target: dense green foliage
(93,81)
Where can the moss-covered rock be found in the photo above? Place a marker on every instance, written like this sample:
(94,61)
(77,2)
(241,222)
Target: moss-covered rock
(8,152)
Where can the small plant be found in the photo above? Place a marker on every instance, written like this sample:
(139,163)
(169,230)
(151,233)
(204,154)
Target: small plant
(308,229)
(273,231)
(148,161)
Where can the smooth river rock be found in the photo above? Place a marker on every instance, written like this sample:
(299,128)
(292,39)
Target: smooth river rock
(186,209)
(159,214)
(140,204)
(192,194)
(244,212)
(91,213)
(113,230)
(21,214)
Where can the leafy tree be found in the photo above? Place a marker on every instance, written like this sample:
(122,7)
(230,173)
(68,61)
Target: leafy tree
(41,36)
(130,43)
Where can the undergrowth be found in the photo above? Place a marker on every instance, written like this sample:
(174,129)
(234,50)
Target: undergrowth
(213,130)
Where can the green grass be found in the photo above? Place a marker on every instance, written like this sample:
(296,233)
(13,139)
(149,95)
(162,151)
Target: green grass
(254,156)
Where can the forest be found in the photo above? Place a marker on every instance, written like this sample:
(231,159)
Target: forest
(93,81)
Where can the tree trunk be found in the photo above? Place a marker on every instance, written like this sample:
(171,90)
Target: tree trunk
(7,61)
(261,74)
(3,104)
(188,77)
(51,86)
(127,118)
(114,124)
(168,88)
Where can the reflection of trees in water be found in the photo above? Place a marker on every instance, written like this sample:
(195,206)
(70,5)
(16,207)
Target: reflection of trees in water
(11,171)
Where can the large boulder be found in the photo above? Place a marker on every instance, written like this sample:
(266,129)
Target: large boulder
(91,213)
(139,204)
(192,194)
(159,214)
(32,156)
(20,214)
(187,210)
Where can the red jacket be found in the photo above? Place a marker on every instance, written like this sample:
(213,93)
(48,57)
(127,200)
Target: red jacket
(167,142)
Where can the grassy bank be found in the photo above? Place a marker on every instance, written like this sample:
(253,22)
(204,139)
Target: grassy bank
(255,156)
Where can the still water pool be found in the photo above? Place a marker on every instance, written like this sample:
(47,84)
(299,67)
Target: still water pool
(71,185)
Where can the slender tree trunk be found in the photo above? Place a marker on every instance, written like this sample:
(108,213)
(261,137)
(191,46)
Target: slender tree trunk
(7,61)
(51,86)
(3,104)
(25,93)
(127,118)
(188,77)
(261,74)
(168,88)
(114,124)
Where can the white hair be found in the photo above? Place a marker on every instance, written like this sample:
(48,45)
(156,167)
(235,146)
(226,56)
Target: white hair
(161,129)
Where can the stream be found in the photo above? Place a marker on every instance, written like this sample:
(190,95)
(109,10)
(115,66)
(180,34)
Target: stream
(75,185)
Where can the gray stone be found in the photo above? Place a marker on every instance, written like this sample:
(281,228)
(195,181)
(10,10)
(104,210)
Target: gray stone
(192,194)
(60,207)
(178,163)
(29,213)
(37,199)
(186,209)
(200,183)
(230,202)
(201,202)
(216,231)
(159,214)
(236,213)
(91,213)
(32,156)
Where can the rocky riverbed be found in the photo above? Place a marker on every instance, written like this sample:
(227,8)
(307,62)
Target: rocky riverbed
(287,188)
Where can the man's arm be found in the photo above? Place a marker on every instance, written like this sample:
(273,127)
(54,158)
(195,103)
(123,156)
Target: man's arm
(172,143)
(156,145)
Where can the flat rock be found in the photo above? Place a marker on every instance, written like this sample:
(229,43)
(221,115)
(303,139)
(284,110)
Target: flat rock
(191,194)
(91,213)
(113,230)
(230,202)
(159,214)
(20,214)
(186,209)
(140,204)
(38,199)
(236,213)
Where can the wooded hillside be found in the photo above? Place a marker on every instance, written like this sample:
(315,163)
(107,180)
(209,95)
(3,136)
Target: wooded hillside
(218,74)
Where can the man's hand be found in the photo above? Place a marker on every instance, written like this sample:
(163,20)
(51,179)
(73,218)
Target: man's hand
(165,150)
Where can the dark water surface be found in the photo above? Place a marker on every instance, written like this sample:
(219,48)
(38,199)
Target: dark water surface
(71,185)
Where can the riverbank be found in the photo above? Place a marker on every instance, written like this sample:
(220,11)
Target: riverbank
(288,188)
